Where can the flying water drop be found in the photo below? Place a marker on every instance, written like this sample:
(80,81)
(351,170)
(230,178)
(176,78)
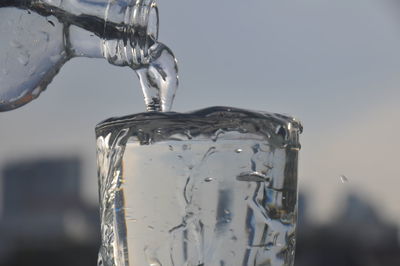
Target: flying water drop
(344,179)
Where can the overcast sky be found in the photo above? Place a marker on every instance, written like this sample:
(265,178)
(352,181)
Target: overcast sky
(333,64)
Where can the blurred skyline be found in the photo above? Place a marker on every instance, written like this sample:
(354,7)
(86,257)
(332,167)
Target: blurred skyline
(45,223)
(333,64)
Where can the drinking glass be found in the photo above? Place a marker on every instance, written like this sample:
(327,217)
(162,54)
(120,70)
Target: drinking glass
(216,186)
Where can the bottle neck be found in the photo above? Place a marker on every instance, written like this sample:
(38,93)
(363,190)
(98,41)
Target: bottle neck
(139,32)
(120,31)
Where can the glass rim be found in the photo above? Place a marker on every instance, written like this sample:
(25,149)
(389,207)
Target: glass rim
(201,114)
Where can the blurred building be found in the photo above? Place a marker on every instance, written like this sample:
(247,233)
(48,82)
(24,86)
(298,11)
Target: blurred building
(358,236)
(45,222)
(44,219)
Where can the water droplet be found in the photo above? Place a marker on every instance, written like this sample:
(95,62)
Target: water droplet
(36,91)
(208,179)
(188,134)
(217,134)
(23,58)
(269,167)
(280,130)
(344,179)
(51,23)
(185,147)
(154,262)
(46,37)
(269,245)
(15,44)
(252,177)
(55,58)
(32,71)
(238,150)
(209,152)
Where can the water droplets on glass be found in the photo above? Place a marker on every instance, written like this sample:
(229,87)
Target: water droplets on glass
(238,150)
(23,57)
(208,179)
(209,204)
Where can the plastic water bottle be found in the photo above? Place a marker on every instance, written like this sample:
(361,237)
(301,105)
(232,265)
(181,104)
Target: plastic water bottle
(39,36)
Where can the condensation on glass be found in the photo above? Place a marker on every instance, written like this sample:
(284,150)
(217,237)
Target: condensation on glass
(212,187)
(39,36)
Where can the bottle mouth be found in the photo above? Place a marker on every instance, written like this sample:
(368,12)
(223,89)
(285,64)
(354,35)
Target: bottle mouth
(140,32)
(143,32)
(144,18)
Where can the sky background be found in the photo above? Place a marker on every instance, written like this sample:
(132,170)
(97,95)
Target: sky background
(333,64)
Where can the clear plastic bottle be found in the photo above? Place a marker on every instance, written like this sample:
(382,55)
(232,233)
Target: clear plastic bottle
(39,36)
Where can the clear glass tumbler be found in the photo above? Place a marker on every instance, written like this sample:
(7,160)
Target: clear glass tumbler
(213,187)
